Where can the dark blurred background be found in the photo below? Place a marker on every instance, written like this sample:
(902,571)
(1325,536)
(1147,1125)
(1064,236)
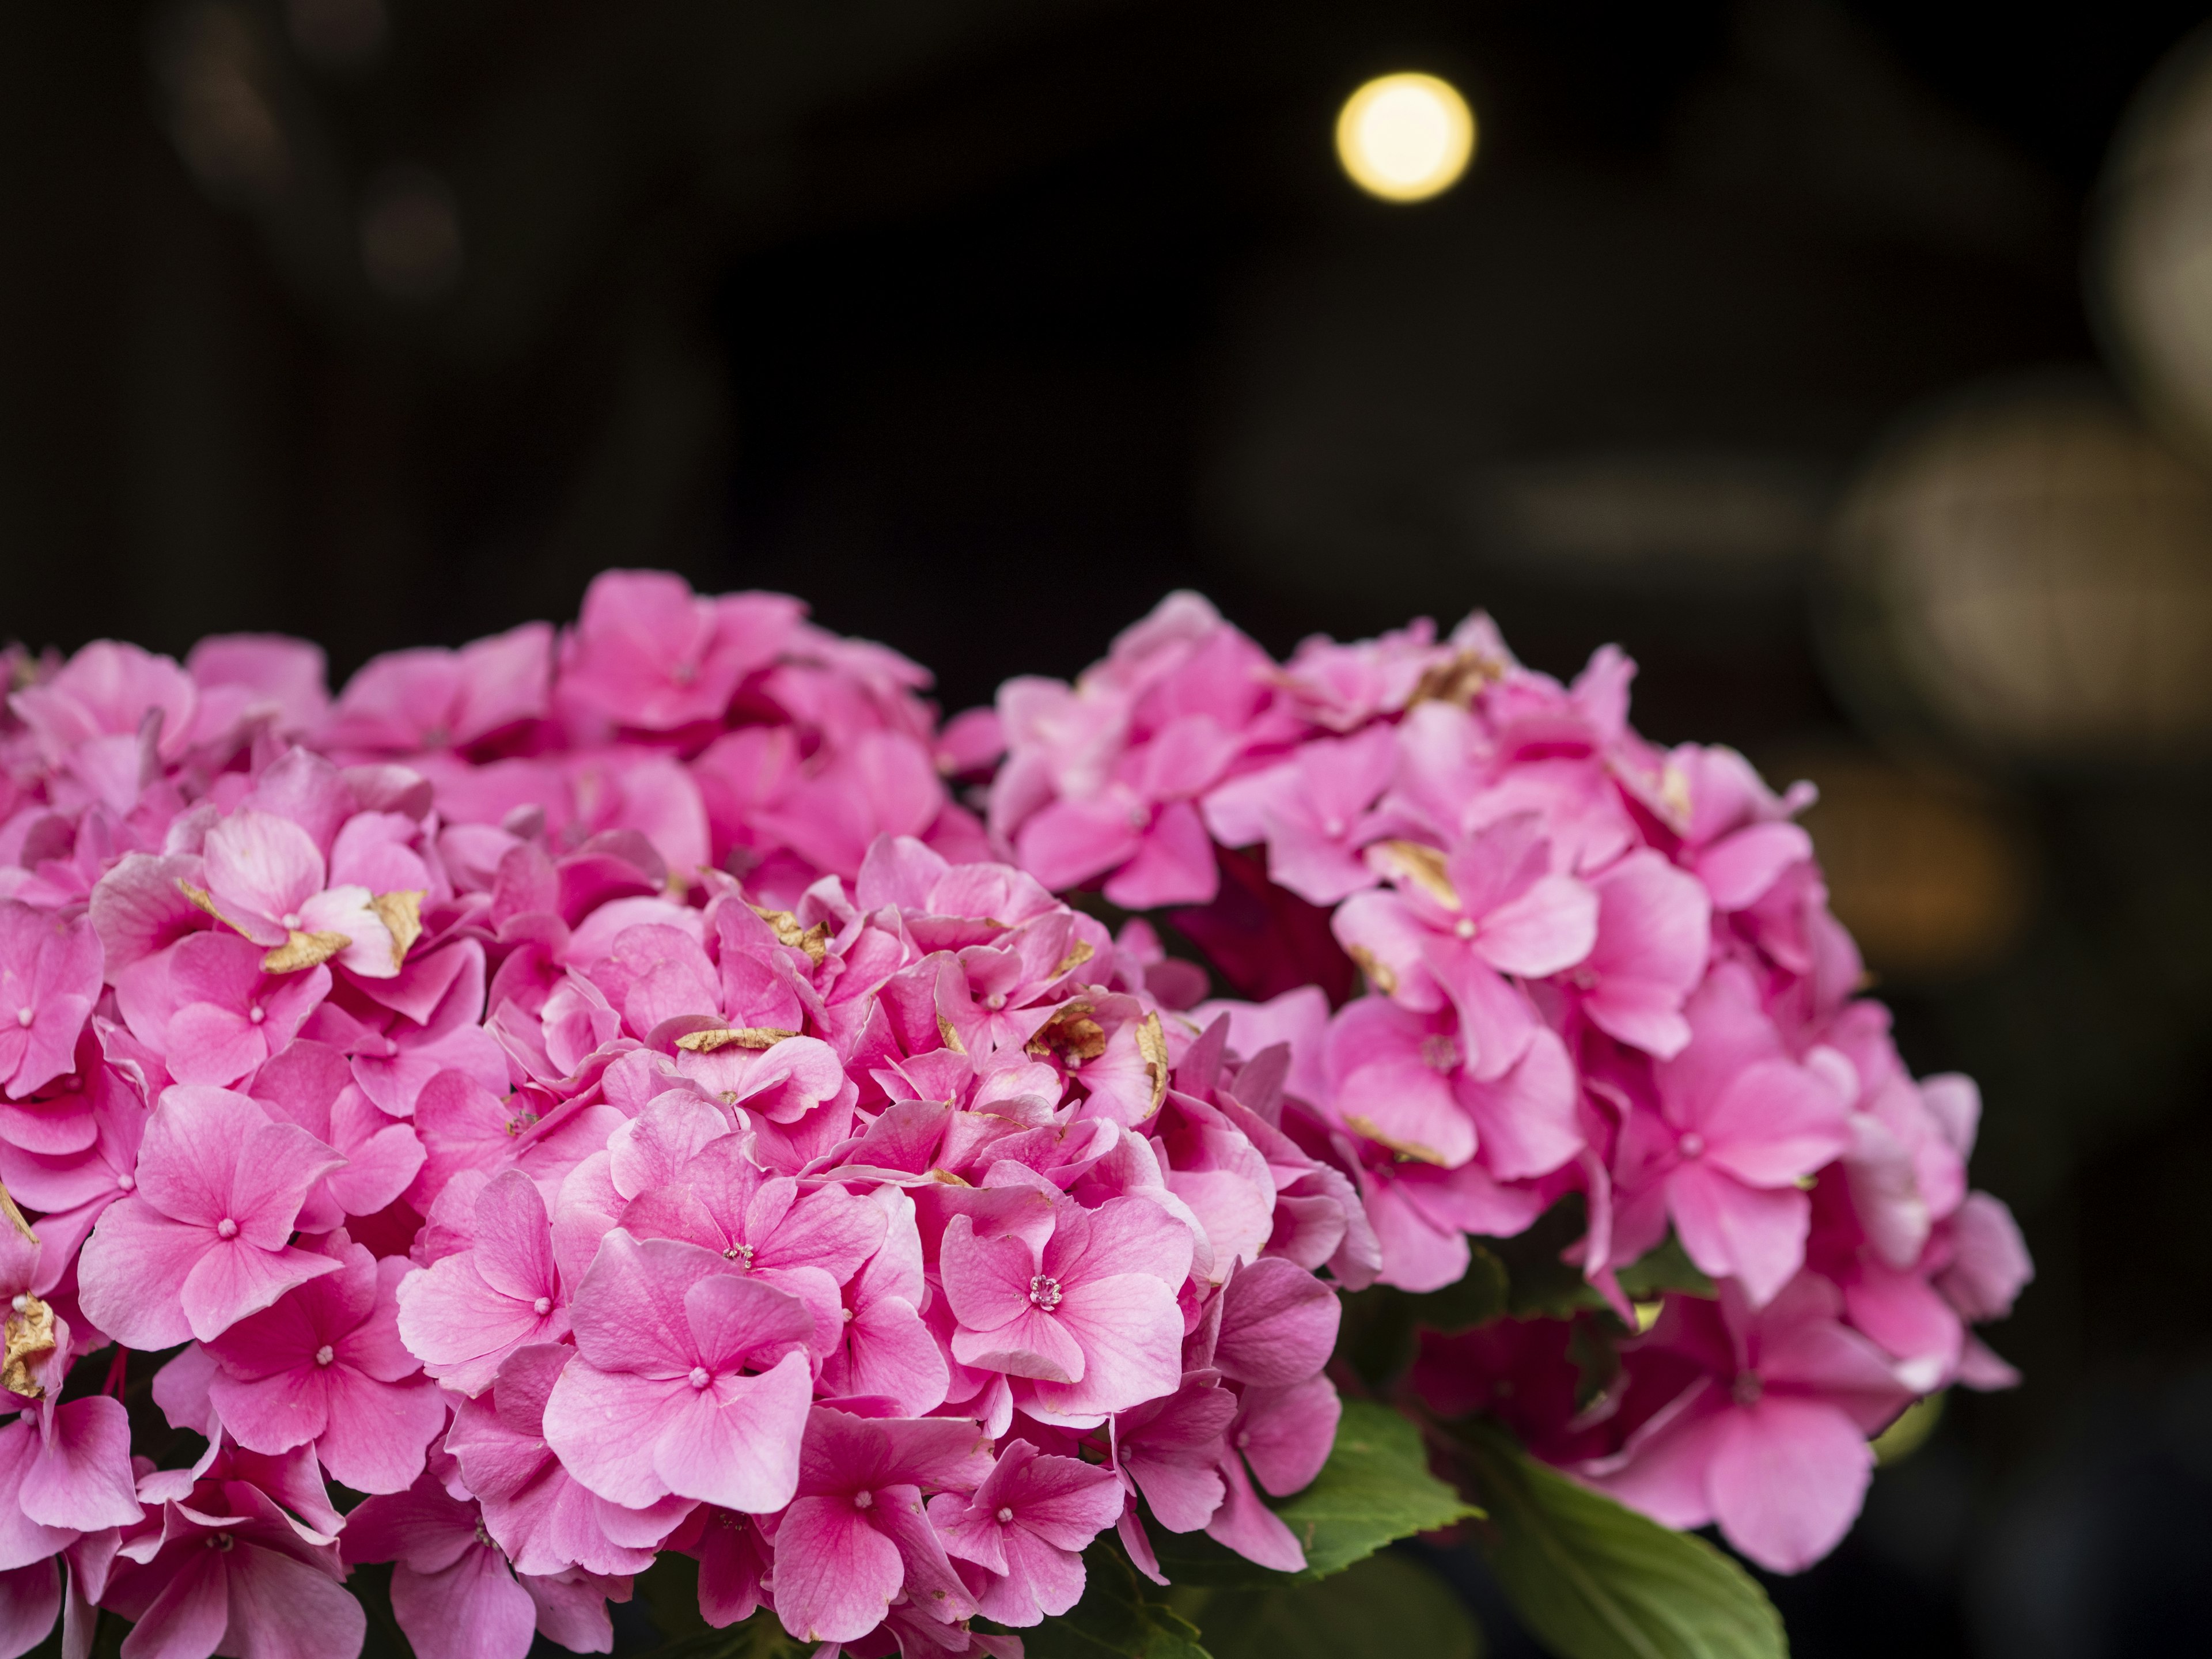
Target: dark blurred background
(1849,363)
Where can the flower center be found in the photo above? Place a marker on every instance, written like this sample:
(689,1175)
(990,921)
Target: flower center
(25,1016)
(700,1379)
(1464,927)
(684,674)
(521,1122)
(21,1303)
(543,1306)
(1747,1388)
(1439,1054)
(221,1540)
(255,1014)
(126,1181)
(864,1500)
(1044,1291)
(292,918)
(1331,828)
(995,1002)
(740,1254)
(226,1228)
(483,1537)
(1005,1516)
(1692,1145)
(324,1354)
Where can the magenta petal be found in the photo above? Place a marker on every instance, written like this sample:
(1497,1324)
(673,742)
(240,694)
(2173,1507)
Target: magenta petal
(472,1609)
(30,1601)
(1042,1581)
(22,1541)
(276,1413)
(1249,1526)
(1277,1325)
(378,1432)
(835,1573)
(1287,1434)
(187,1619)
(82,1479)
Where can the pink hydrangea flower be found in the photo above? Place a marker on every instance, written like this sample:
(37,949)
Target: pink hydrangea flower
(204,1238)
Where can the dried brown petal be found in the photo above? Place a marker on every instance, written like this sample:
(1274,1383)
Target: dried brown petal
(303,951)
(732,1036)
(30,1335)
(402,914)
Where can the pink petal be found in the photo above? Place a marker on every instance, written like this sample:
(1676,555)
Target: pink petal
(131,1275)
(1249,1526)
(188,1619)
(835,1573)
(1546,930)
(1277,1325)
(261,865)
(378,1432)
(472,1609)
(1774,1122)
(1173,864)
(30,1601)
(234,1278)
(1287,1434)
(1527,1121)
(281,1606)
(82,1478)
(1131,1333)
(986,1280)
(1787,1478)
(1732,1230)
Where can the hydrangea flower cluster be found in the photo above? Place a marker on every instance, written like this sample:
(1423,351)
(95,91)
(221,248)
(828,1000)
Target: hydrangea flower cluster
(1593,968)
(598,1094)
(853,1225)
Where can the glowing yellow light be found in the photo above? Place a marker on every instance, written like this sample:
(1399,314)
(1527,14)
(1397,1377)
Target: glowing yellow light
(1406,138)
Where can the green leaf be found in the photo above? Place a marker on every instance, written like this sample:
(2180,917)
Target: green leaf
(1542,1284)
(1384,1607)
(1666,1266)
(1378,1333)
(1376,1487)
(1121,1614)
(1482,1294)
(1192,1558)
(1595,1581)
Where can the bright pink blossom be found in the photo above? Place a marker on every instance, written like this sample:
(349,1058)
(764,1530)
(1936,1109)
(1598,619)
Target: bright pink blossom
(1769,1435)
(49,979)
(1027,1525)
(857,1532)
(1088,1311)
(204,1237)
(689,1378)
(326,1364)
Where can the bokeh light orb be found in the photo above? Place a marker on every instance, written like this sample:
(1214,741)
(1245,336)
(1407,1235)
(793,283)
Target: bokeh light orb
(2151,261)
(2032,568)
(1406,138)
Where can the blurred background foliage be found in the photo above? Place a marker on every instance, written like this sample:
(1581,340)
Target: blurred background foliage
(1849,363)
